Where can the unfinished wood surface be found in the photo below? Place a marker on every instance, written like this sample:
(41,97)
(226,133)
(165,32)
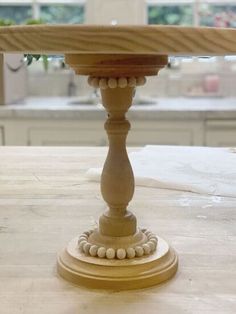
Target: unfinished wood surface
(117,180)
(45,200)
(174,40)
(143,259)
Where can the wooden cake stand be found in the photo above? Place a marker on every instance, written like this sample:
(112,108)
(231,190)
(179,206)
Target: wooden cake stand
(118,254)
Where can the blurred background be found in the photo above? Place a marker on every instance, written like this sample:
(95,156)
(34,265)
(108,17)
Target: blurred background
(191,102)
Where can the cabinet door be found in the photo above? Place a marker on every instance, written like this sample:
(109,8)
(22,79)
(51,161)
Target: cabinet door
(1,135)
(166,133)
(221,133)
(66,137)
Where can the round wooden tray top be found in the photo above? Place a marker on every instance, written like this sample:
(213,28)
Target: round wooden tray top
(86,39)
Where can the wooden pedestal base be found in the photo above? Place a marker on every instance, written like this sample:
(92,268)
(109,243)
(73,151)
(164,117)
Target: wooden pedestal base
(117,255)
(100,273)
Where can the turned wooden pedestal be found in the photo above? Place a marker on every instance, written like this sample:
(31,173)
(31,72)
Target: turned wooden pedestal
(119,254)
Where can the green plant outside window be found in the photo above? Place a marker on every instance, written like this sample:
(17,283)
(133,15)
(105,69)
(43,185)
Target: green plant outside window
(218,15)
(15,13)
(62,14)
(170,14)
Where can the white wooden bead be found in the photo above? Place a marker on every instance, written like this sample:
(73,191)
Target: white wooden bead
(152,235)
(110,253)
(85,234)
(130,252)
(95,82)
(82,244)
(140,81)
(146,249)
(86,248)
(112,83)
(90,80)
(122,82)
(154,243)
(101,252)
(151,245)
(131,81)
(93,250)
(103,83)
(82,239)
(153,238)
(121,253)
(139,251)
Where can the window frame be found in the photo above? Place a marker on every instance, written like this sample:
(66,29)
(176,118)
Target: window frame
(194,3)
(36,4)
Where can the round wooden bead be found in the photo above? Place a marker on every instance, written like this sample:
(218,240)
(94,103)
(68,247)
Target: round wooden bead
(122,82)
(154,243)
(140,81)
(90,80)
(85,234)
(153,238)
(151,245)
(82,244)
(130,252)
(103,83)
(82,239)
(121,253)
(139,251)
(93,250)
(112,83)
(146,249)
(110,253)
(152,235)
(95,82)
(86,248)
(131,81)
(101,252)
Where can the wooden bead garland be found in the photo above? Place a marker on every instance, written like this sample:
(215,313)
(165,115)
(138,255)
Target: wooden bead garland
(120,253)
(121,82)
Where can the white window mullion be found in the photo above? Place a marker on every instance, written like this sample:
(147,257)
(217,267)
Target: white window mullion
(36,10)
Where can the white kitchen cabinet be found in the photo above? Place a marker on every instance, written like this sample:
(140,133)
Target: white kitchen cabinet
(71,132)
(57,132)
(1,135)
(166,133)
(55,136)
(221,133)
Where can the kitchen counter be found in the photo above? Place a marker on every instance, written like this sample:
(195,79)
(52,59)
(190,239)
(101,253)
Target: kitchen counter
(165,108)
(46,200)
(170,121)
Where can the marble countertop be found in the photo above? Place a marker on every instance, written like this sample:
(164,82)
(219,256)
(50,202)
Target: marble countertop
(164,109)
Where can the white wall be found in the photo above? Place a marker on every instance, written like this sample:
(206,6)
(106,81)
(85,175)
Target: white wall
(120,11)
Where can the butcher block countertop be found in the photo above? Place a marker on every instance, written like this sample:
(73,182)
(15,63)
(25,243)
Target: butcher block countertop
(45,200)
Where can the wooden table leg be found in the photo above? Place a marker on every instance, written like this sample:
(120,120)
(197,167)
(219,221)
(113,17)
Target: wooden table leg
(118,254)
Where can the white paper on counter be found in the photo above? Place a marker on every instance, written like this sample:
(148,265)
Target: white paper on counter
(195,169)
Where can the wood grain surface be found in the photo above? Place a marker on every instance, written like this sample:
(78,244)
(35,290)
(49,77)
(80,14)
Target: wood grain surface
(45,200)
(169,40)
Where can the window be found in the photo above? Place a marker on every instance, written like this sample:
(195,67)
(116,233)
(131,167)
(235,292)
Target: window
(16,13)
(49,11)
(60,13)
(170,14)
(218,15)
